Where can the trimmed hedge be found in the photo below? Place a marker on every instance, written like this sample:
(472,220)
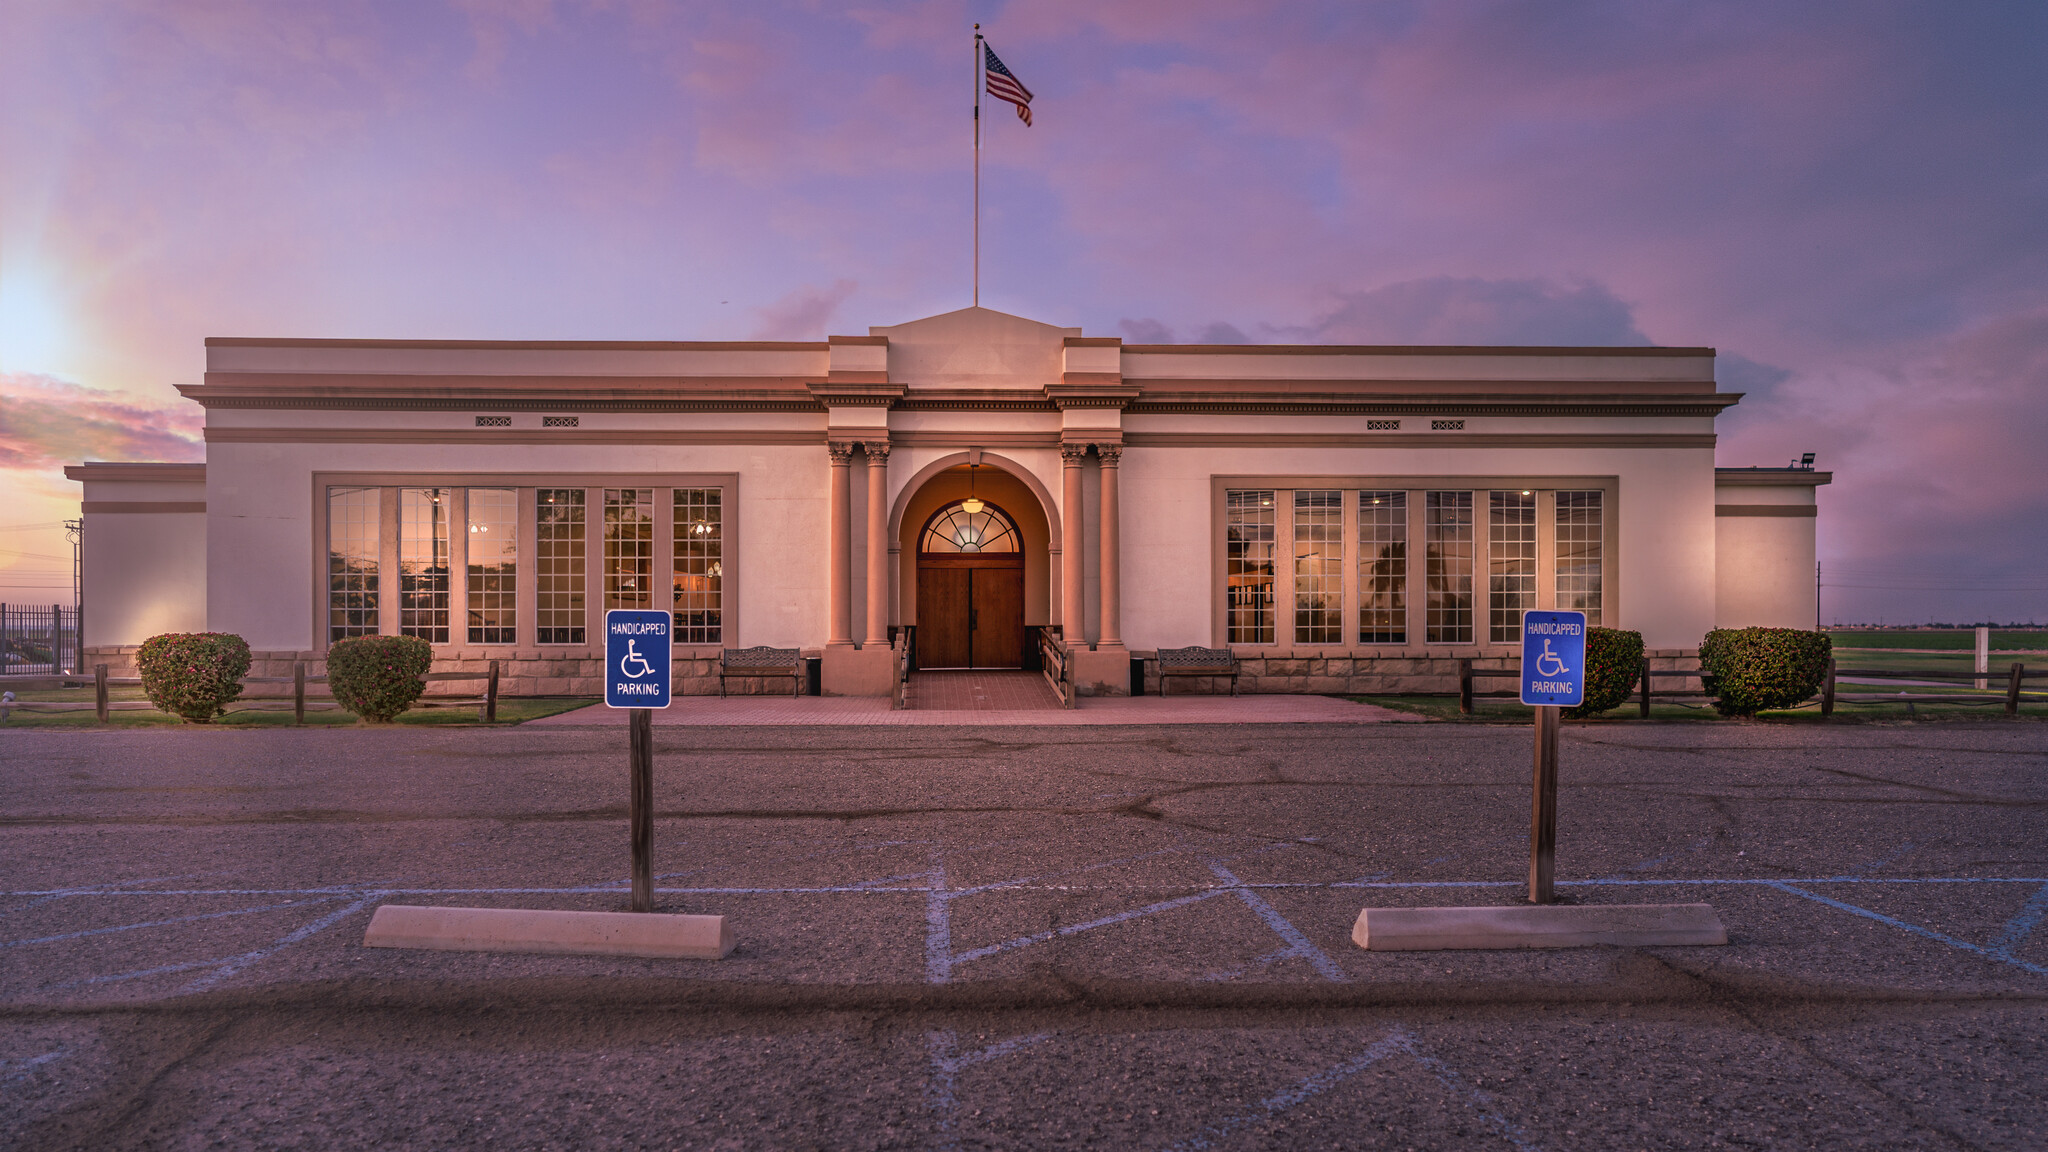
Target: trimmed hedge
(377,677)
(1748,670)
(192,674)
(1614,659)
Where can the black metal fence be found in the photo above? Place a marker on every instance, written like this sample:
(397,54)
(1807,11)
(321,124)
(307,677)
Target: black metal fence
(39,639)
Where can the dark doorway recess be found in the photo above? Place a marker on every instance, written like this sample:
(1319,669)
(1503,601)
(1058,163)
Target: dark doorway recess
(970,589)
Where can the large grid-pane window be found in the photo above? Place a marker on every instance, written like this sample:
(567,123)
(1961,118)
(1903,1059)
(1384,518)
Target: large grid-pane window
(493,565)
(423,563)
(1447,524)
(1579,526)
(1383,567)
(559,555)
(1318,567)
(699,573)
(1248,525)
(353,541)
(1511,563)
(629,548)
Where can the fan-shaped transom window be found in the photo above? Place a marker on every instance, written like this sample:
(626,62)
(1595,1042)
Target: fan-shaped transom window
(969,525)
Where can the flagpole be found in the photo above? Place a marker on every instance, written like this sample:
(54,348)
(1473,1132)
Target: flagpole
(978,54)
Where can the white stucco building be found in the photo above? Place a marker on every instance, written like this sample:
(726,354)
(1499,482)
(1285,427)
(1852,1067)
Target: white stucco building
(1343,518)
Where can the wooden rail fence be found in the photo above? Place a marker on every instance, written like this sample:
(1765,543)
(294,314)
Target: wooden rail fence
(1827,696)
(486,703)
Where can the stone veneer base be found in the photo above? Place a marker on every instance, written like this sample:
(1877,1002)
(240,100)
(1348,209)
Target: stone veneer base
(530,672)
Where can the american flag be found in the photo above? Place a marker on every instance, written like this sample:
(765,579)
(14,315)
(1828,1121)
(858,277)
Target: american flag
(1003,85)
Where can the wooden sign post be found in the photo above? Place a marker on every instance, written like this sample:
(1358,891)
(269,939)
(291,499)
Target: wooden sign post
(636,679)
(1553,678)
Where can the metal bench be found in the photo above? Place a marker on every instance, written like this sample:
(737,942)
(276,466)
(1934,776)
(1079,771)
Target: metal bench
(1197,661)
(764,662)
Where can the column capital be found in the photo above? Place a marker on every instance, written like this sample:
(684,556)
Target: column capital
(1109,453)
(1071,455)
(877,453)
(841,452)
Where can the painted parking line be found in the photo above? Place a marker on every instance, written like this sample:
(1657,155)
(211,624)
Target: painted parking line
(2003,955)
(236,964)
(1398,1043)
(942,962)
(22,1069)
(152,923)
(1298,945)
(614,888)
(947,1062)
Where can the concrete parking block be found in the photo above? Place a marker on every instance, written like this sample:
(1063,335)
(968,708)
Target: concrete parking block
(649,934)
(1537,926)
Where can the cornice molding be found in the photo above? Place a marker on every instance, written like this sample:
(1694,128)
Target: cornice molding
(1692,406)
(701,436)
(535,345)
(1791,510)
(972,438)
(151,472)
(130,507)
(1770,477)
(1404,350)
(1416,440)
(858,394)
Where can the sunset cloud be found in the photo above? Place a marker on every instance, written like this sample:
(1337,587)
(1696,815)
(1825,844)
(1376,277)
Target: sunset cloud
(46,423)
(1849,210)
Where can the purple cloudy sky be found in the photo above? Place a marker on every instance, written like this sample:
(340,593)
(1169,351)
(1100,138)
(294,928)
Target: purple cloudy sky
(1846,200)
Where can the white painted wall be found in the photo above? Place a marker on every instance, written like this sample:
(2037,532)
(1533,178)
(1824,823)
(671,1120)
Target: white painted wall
(142,573)
(1662,583)
(262,552)
(1766,562)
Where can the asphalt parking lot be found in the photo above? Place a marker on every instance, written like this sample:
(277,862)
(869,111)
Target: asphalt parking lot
(1129,937)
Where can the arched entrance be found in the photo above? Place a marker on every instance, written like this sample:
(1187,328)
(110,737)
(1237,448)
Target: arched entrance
(970,587)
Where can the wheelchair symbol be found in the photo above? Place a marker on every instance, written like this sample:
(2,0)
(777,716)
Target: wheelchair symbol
(633,657)
(1548,664)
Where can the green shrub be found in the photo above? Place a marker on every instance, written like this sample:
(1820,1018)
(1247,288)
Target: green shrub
(192,674)
(1748,670)
(1614,658)
(377,677)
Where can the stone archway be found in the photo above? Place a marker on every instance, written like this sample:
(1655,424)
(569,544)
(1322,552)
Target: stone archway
(1004,485)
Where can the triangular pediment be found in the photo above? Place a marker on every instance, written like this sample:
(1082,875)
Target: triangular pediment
(975,348)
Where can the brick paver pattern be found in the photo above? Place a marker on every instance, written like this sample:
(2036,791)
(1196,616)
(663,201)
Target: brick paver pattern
(979,691)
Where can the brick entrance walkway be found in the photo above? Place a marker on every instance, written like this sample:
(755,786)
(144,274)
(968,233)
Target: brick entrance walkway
(996,706)
(979,692)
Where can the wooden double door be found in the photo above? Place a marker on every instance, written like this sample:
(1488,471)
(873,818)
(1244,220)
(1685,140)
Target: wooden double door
(970,610)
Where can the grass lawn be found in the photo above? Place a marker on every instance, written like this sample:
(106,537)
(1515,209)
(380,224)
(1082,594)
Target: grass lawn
(1499,710)
(1933,661)
(267,713)
(1964,641)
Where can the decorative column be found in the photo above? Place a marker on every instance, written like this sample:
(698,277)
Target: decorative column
(1073,560)
(878,543)
(839,545)
(1112,600)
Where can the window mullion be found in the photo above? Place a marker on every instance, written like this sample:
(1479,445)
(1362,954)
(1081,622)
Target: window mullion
(389,577)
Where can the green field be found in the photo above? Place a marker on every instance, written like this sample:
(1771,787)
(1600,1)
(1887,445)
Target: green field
(1942,641)
(1498,710)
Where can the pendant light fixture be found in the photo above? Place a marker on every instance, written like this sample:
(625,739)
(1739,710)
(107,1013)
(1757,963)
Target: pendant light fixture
(971,505)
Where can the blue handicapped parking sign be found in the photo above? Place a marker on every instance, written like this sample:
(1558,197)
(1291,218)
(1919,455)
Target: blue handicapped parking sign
(1554,659)
(636,658)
